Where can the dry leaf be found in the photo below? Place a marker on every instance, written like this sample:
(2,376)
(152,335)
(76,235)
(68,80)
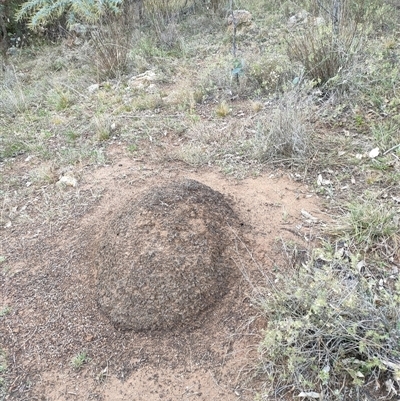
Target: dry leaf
(309,216)
(396,199)
(361,265)
(322,181)
(374,153)
(310,394)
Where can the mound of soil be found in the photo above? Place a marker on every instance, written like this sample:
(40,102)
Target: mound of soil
(161,261)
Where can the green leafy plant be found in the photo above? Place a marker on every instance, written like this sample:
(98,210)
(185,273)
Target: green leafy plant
(132,148)
(267,71)
(43,12)
(5,311)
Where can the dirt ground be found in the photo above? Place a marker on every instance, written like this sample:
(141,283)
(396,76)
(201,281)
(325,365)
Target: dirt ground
(48,281)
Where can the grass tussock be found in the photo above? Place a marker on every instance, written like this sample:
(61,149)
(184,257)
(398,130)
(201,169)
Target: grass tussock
(287,135)
(111,47)
(322,52)
(372,225)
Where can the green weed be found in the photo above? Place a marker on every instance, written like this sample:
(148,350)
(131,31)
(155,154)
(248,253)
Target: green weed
(79,360)
(132,148)
(4,311)
(386,134)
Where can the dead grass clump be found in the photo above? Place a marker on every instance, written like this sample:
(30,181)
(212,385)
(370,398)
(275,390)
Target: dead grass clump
(12,96)
(333,332)
(102,126)
(223,109)
(111,47)
(277,134)
(44,174)
(163,18)
(283,133)
(16,95)
(322,51)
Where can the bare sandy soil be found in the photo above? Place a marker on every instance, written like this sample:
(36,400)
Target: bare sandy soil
(49,282)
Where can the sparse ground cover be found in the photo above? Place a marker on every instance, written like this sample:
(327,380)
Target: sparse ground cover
(292,92)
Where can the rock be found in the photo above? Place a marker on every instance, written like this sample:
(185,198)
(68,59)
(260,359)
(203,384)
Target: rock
(298,18)
(12,51)
(161,262)
(240,17)
(143,81)
(318,21)
(93,88)
(78,29)
(303,17)
(374,153)
(67,179)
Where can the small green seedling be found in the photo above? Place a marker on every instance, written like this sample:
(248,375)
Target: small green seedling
(78,360)
(5,310)
(132,148)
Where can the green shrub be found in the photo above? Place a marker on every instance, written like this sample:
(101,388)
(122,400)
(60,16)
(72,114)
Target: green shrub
(43,12)
(331,332)
(266,71)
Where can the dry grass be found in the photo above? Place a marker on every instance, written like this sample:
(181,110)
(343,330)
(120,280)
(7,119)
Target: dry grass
(223,109)
(322,52)
(111,47)
(278,134)
(288,135)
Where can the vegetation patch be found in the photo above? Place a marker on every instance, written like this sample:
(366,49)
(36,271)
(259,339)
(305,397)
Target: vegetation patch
(333,330)
(79,360)
(3,370)
(306,89)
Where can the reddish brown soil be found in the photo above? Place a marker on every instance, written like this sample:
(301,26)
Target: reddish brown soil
(49,282)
